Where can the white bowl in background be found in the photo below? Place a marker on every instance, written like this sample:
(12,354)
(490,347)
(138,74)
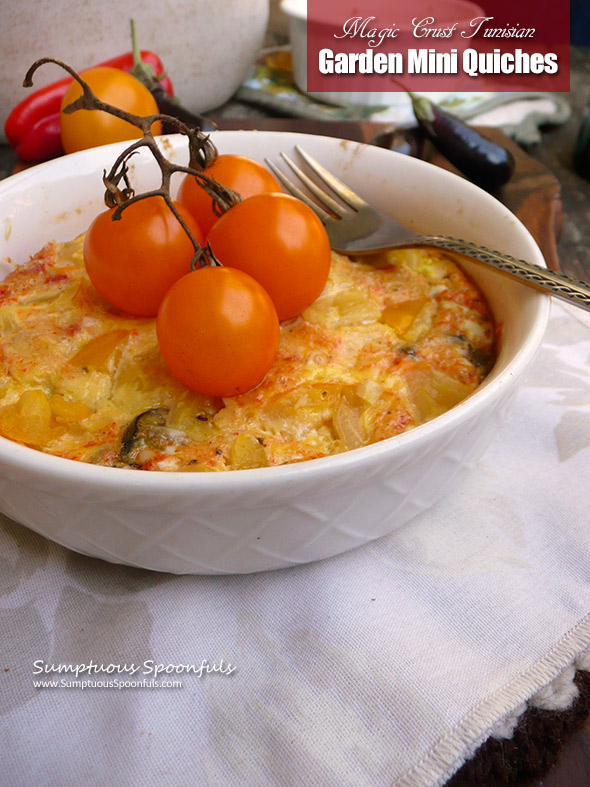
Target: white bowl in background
(252,520)
(207,46)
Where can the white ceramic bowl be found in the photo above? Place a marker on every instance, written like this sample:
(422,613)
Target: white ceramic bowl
(207,46)
(251,520)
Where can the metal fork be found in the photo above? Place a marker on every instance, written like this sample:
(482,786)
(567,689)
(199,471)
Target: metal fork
(355,227)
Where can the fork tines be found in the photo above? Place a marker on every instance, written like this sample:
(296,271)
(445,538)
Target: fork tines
(341,190)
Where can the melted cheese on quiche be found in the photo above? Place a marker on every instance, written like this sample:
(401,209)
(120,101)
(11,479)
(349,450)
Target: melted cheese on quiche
(393,341)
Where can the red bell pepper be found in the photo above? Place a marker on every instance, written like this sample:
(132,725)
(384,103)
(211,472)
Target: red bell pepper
(42,140)
(31,127)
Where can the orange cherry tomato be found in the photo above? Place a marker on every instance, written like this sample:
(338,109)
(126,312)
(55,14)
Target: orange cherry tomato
(239,173)
(85,128)
(133,262)
(218,331)
(281,243)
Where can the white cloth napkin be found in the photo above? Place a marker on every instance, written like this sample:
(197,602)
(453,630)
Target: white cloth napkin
(386,665)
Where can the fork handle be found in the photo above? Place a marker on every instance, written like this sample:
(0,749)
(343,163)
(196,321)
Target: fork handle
(570,290)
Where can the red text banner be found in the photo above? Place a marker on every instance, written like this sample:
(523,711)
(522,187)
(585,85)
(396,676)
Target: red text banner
(437,45)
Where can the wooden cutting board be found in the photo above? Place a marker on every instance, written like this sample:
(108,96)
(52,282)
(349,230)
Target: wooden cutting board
(533,193)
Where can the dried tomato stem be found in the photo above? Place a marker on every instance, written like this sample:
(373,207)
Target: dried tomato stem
(202,153)
(88,100)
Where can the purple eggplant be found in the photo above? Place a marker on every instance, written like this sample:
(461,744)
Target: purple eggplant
(486,163)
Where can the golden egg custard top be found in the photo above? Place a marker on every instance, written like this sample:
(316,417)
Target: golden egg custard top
(392,342)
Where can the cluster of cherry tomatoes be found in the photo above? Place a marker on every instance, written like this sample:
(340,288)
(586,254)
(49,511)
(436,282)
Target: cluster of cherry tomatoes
(217,326)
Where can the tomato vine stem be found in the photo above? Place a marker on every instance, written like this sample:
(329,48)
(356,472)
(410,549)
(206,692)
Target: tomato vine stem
(202,153)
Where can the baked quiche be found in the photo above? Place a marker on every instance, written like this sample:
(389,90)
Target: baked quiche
(392,342)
